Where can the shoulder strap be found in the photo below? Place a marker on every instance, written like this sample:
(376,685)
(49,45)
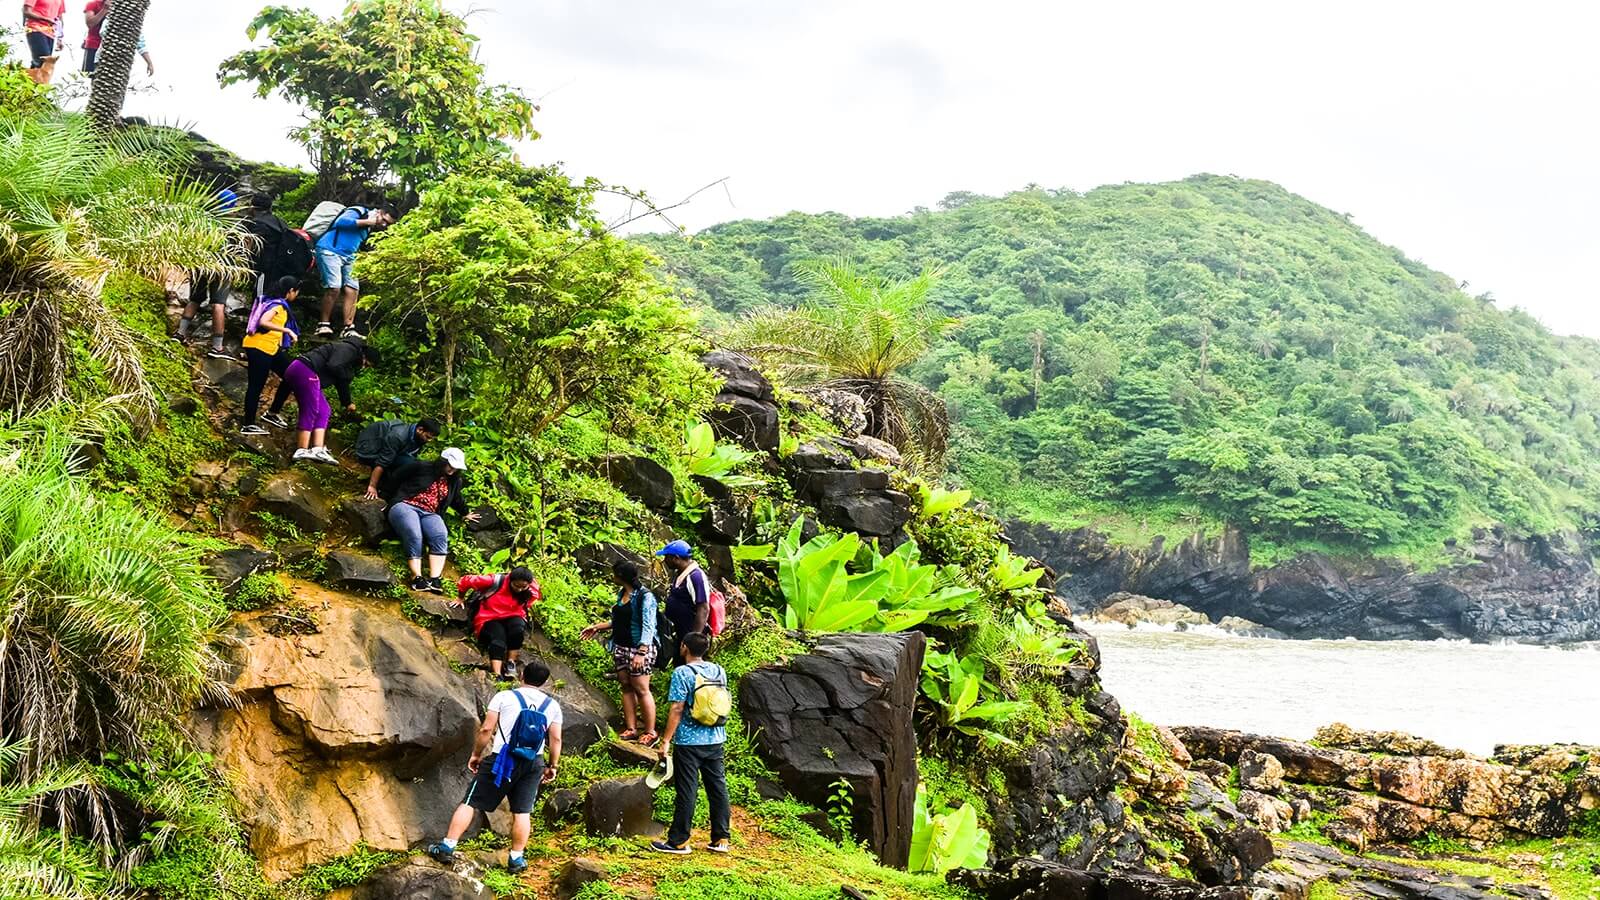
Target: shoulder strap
(546,704)
(494,586)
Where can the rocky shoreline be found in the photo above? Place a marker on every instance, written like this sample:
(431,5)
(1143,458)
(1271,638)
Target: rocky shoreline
(1539,590)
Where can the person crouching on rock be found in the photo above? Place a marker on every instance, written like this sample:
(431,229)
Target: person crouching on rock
(423,491)
(633,650)
(387,446)
(498,606)
(518,727)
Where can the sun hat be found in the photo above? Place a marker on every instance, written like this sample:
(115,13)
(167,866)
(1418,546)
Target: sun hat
(660,775)
(676,548)
(454,457)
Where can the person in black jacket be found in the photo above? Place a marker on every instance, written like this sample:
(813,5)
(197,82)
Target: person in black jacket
(423,490)
(337,363)
(277,254)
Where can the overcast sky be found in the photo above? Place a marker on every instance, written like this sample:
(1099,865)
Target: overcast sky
(1464,133)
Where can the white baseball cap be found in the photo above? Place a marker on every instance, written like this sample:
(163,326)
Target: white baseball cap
(454,457)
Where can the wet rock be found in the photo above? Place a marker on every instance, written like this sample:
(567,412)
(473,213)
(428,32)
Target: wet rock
(557,804)
(844,711)
(816,456)
(1269,813)
(577,872)
(722,524)
(442,607)
(643,479)
(1301,865)
(817,485)
(358,570)
(365,519)
(1260,771)
(620,807)
(1246,628)
(421,879)
(294,496)
(1025,879)
(1396,743)
(230,567)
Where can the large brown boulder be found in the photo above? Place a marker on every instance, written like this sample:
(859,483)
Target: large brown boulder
(844,711)
(355,733)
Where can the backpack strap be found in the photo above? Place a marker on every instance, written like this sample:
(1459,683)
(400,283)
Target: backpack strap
(505,736)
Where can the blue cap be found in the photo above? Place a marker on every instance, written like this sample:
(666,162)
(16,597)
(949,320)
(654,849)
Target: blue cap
(676,548)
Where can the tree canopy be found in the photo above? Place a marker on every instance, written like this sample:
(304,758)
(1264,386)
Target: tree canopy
(1214,349)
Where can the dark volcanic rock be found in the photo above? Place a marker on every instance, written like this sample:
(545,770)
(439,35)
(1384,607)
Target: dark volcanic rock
(1016,878)
(1060,800)
(643,479)
(873,515)
(230,567)
(596,560)
(365,519)
(743,410)
(294,496)
(844,710)
(620,807)
(1539,590)
(357,570)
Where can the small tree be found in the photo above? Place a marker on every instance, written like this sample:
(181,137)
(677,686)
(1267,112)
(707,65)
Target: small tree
(122,27)
(390,88)
(557,318)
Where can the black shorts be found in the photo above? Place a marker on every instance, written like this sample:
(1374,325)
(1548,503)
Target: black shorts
(522,787)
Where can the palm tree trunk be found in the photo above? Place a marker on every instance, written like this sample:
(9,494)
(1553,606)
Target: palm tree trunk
(119,39)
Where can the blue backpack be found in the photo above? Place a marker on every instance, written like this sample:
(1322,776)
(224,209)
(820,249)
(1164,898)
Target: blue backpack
(525,739)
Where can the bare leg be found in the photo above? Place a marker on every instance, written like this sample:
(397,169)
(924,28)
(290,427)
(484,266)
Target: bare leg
(627,705)
(350,296)
(461,821)
(646,701)
(520,826)
(415,565)
(435,565)
(187,322)
(303,438)
(219,322)
(319,437)
(328,296)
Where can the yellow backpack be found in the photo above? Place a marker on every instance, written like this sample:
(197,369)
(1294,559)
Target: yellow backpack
(710,702)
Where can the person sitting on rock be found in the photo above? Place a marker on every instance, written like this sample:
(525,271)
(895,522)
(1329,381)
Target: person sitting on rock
(526,775)
(696,747)
(423,491)
(337,363)
(387,446)
(633,650)
(689,599)
(270,332)
(500,619)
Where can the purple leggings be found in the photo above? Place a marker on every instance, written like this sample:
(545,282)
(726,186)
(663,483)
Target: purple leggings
(307,388)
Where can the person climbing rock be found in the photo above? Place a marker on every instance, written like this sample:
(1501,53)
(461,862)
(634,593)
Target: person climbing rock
(212,289)
(279,251)
(500,613)
(390,444)
(633,650)
(311,435)
(423,491)
(689,598)
(336,258)
(519,726)
(270,332)
(39,23)
(337,363)
(694,739)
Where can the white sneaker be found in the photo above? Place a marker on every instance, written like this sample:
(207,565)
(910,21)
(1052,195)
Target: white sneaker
(252,431)
(321,455)
(350,331)
(303,454)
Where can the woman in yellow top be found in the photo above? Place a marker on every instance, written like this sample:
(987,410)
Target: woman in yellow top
(270,333)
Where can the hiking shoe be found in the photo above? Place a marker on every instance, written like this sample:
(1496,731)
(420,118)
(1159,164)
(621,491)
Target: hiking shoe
(435,585)
(219,353)
(351,332)
(302,454)
(664,847)
(276,421)
(419,584)
(442,854)
(252,431)
(324,329)
(321,455)
(722,846)
(516,866)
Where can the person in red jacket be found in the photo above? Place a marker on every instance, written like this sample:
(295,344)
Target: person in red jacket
(500,621)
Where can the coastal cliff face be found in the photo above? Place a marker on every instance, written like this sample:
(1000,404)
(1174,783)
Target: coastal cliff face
(1537,590)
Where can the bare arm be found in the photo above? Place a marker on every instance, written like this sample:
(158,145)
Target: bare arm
(674,716)
(552,741)
(485,735)
(93,19)
(372,483)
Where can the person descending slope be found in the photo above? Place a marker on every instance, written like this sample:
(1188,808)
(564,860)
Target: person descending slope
(388,445)
(337,363)
(633,650)
(336,258)
(423,491)
(498,606)
(519,727)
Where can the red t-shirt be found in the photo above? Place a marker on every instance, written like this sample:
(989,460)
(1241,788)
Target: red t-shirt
(41,15)
(92,40)
(500,604)
(429,499)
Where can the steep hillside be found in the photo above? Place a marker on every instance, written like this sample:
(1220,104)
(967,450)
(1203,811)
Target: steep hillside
(1163,359)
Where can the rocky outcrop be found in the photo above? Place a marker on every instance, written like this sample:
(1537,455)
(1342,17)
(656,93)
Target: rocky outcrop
(643,479)
(859,500)
(358,571)
(1540,590)
(295,497)
(844,711)
(1023,878)
(1384,794)
(420,878)
(743,410)
(231,567)
(1299,866)
(1127,609)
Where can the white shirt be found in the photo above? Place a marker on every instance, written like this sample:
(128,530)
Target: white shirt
(505,703)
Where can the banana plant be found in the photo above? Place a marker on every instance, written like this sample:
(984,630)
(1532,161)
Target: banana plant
(822,595)
(955,684)
(946,840)
(1045,648)
(702,455)
(914,593)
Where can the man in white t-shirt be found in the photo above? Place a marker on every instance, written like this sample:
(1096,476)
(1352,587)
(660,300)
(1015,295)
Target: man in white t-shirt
(522,787)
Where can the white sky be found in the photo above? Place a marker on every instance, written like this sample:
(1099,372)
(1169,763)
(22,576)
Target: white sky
(1464,133)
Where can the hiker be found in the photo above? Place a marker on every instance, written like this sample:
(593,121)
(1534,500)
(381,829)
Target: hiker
(336,256)
(212,289)
(94,15)
(518,726)
(695,735)
(498,606)
(423,491)
(689,598)
(39,19)
(270,332)
(338,363)
(633,649)
(388,445)
(279,251)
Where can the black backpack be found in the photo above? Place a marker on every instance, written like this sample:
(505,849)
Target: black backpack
(294,254)
(666,640)
(477,596)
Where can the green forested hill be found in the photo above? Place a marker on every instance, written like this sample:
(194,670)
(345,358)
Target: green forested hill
(1211,350)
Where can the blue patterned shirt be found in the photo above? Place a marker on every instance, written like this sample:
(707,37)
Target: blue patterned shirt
(691,733)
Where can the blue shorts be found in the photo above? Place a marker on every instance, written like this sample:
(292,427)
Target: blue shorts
(335,271)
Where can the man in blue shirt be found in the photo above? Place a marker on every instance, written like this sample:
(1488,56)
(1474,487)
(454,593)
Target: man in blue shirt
(336,257)
(695,749)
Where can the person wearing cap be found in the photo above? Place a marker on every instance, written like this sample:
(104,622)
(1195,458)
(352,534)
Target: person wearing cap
(423,490)
(689,599)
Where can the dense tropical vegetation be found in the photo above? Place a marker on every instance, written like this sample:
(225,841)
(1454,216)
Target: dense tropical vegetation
(1208,350)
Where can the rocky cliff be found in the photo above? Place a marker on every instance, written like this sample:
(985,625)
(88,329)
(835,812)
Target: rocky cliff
(1539,590)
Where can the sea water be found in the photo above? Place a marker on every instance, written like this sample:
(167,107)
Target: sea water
(1464,695)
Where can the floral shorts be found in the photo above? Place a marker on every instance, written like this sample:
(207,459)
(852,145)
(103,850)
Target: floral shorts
(624,660)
